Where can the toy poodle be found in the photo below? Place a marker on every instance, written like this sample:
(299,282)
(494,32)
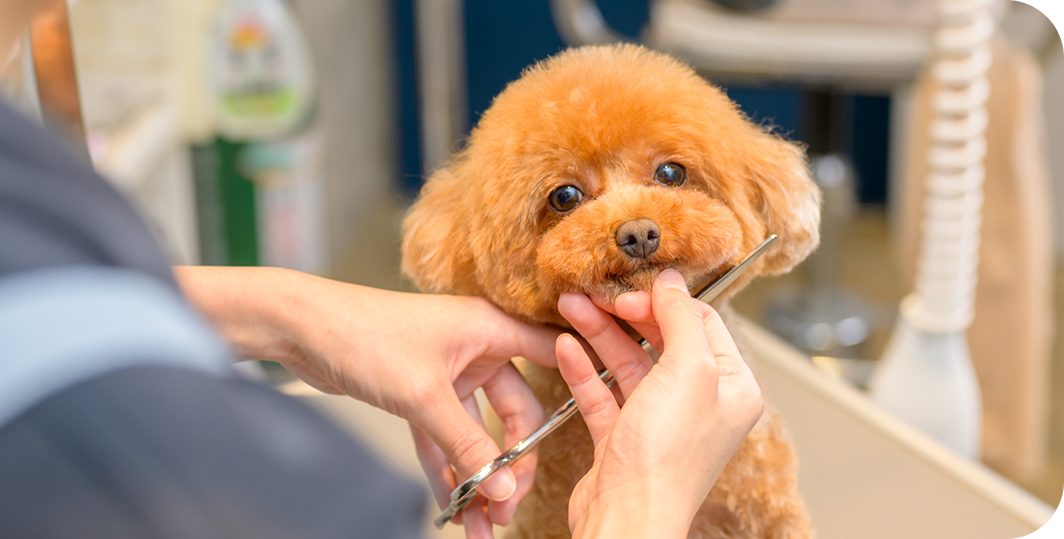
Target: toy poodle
(594,171)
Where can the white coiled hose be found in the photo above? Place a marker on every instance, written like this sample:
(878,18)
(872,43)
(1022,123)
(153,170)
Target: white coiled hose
(926,376)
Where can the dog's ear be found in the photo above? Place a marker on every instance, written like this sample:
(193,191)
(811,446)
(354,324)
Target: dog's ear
(436,250)
(785,196)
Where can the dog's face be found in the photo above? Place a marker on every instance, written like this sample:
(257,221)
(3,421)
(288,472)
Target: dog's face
(597,169)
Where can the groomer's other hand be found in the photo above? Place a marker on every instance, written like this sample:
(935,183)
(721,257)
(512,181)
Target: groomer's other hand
(683,418)
(417,356)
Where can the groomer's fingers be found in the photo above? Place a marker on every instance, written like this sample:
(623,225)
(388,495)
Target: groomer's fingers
(463,440)
(635,309)
(509,337)
(521,414)
(625,359)
(476,522)
(473,409)
(597,404)
(681,320)
(437,469)
(736,383)
(500,512)
(729,360)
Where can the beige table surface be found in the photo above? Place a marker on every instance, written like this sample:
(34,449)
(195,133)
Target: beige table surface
(864,474)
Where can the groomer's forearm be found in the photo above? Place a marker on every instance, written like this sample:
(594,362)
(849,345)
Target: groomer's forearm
(247,305)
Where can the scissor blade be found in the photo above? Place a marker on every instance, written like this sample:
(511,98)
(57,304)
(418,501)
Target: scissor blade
(711,291)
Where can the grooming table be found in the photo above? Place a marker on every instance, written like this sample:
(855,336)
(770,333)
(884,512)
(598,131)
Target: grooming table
(864,474)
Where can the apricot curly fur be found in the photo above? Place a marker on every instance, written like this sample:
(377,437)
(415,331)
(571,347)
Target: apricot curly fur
(602,119)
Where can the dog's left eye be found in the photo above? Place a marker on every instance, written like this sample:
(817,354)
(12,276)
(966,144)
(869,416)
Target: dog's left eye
(565,198)
(671,175)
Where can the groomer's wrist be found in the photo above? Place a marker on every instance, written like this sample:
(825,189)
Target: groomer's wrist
(637,511)
(287,317)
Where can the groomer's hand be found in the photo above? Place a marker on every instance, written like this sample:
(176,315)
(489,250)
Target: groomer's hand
(417,356)
(682,420)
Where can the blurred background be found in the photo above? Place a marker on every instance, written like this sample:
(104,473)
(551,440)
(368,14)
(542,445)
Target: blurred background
(313,167)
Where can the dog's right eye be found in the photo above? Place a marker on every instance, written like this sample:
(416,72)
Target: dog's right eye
(565,198)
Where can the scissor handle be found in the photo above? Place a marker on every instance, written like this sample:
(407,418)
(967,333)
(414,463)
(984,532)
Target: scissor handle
(464,493)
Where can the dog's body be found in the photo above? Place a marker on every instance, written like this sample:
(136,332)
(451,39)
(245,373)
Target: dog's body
(594,171)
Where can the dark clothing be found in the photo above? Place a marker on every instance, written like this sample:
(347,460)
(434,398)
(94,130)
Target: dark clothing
(54,211)
(120,418)
(172,453)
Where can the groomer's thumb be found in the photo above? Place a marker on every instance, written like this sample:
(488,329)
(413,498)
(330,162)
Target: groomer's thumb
(468,448)
(679,317)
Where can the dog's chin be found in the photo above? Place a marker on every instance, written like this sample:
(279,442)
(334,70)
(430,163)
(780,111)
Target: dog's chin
(613,285)
(642,278)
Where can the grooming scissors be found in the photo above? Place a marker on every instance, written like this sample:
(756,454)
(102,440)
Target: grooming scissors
(461,496)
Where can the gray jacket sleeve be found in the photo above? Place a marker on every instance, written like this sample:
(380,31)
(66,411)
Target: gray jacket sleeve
(118,415)
(54,211)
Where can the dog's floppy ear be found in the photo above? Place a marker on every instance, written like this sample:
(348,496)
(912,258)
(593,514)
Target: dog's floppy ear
(786,197)
(436,247)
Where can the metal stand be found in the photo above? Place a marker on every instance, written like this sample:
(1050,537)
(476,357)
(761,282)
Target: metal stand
(823,318)
(441,78)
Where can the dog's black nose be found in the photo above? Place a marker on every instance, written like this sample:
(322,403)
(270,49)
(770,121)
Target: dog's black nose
(639,238)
